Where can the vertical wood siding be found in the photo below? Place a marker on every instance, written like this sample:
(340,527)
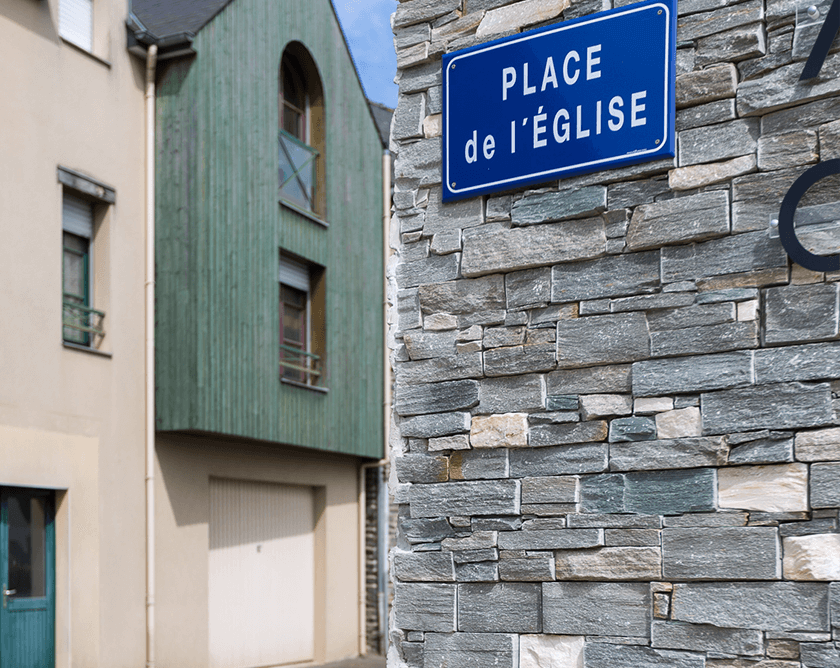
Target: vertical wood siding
(220,229)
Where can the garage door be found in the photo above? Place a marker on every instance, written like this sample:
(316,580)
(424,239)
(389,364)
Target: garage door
(261,590)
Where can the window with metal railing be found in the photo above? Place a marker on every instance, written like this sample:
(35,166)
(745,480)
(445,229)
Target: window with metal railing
(301,322)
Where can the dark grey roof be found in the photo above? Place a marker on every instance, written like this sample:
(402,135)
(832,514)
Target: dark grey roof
(382,118)
(171,17)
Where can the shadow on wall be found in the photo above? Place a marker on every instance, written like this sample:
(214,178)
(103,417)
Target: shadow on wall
(33,16)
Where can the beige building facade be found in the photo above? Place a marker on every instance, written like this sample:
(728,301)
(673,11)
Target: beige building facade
(71,340)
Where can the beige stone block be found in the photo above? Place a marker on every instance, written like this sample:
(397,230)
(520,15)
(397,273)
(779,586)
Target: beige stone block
(822,445)
(471,347)
(609,563)
(455,442)
(519,15)
(815,557)
(438,322)
(506,430)
(661,605)
(651,405)
(801,276)
(601,405)
(547,651)
(773,489)
(697,176)
(679,423)
(748,310)
(433,126)
(413,55)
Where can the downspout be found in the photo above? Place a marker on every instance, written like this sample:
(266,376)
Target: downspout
(151,63)
(382,507)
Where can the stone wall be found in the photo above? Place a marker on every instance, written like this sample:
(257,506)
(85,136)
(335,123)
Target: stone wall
(615,439)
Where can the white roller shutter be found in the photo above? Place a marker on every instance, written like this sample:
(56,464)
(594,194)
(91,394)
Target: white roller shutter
(77,216)
(75,22)
(262,574)
(294,274)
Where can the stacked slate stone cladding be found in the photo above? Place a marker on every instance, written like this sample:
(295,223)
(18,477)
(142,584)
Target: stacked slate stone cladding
(616,437)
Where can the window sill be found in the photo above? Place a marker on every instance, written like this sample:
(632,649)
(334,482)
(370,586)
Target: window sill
(80,49)
(303,212)
(86,349)
(304,386)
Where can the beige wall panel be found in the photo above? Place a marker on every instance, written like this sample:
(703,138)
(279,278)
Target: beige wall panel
(262,574)
(185,466)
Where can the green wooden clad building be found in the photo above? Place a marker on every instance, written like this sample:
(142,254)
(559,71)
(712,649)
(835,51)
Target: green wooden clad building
(269,329)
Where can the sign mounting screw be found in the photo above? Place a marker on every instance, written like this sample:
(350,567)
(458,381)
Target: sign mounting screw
(453,184)
(657,141)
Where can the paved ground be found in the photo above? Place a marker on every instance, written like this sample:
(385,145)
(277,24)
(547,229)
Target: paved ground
(366,662)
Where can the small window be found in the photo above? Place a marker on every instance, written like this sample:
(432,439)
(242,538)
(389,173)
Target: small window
(75,22)
(301,132)
(81,323)
(301,322)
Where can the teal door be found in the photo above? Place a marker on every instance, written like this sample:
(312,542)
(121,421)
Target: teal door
(27,576)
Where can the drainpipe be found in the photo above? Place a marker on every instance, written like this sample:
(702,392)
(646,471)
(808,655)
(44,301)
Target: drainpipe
(382,489)
(151,63)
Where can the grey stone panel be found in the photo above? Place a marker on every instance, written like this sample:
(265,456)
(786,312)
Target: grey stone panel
(412,36)
(813,362)
(788,149)
(825,485)
(809,115)
(434,425)
(799,313)
(408,117)
(496,523)
(605,339)
(603,655)
(705,86)
(819,655)
(652,302)
(464,296)
(516,360)
(718,20)
(425,606)
(727,294)
(717,519)
(554,417)
(834,589)
(679,453)
(535,568)
(485,571)
(421,468)
(719,142)
(554,206)
(560,460)
(480,464)
(496,497)
(562,402)
(699,315)
(472,650)
(450,216)
(732,46)
(424,567)
(783,406)
(772,606)
(492,248)
(718,257)
(781,88)
(549,489)
(632,537)
(422,11)
(498,337)
(497,208)
(594,380)
(727,553)
(670,492)
(504,607)
(705,114)
(763,451)
(614,521)
(633,193)
(602,493)
(435,397)
(420,78)
(756,197)
(439,369)
(596,608)
(706,638)
(408,309)
(419,162)
(412,652)
(425,530)
(433,269)
(561,539)
(692,374)
(704,340)
(475,556)
(531,287)
(543,435)
(679,220)
(809,528)
(627,430)
(612,276)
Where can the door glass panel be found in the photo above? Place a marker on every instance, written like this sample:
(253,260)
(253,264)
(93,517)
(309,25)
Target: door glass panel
(27,545)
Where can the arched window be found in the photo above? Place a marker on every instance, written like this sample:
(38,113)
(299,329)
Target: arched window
(302,136)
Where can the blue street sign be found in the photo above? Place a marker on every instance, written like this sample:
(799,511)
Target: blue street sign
(585,95)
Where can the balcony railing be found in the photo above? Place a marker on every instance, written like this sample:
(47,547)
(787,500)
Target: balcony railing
(81,323)
(297,171)
(299,366)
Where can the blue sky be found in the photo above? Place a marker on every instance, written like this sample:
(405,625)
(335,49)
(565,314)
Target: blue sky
(367,26)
